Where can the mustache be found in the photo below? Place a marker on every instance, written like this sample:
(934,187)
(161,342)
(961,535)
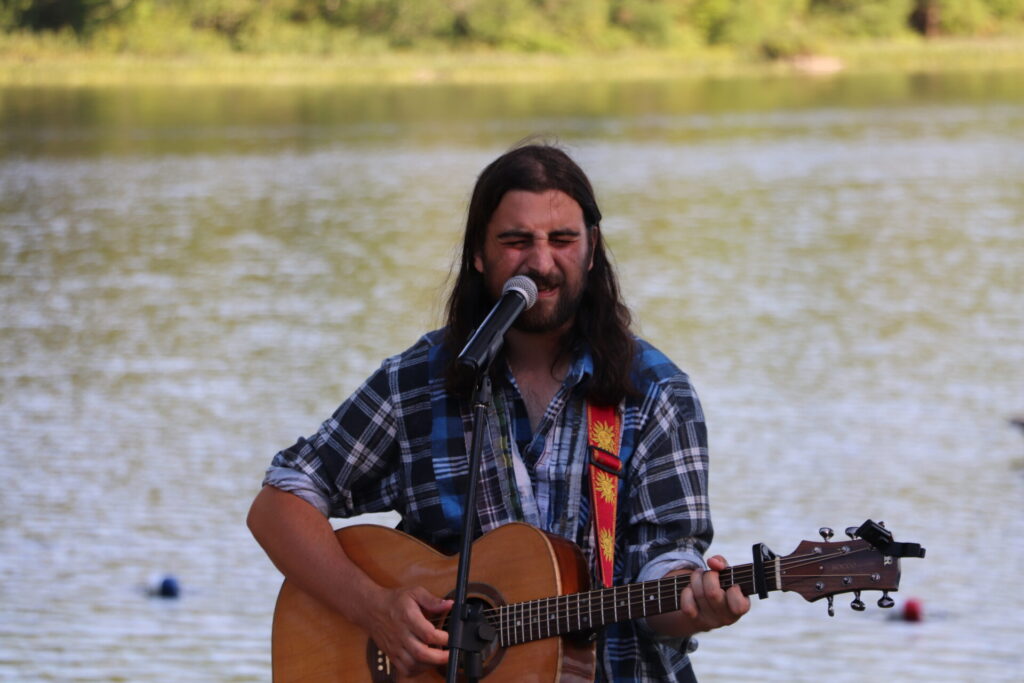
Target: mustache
(544,281)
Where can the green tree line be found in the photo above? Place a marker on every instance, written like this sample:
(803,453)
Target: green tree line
(771,27)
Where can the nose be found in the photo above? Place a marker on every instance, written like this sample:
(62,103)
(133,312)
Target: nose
(541,258)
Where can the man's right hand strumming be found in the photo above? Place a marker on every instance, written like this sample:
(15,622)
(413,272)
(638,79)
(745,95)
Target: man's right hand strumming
(403,628)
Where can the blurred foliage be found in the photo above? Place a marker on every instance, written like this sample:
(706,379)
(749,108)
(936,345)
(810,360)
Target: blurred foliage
(862,18)
(773,28)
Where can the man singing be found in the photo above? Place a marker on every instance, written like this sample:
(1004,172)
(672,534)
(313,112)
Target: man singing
(401,441)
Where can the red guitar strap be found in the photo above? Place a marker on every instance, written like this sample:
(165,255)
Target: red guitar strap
(604,433)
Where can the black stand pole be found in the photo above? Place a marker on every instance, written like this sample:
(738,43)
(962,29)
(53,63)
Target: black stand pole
(468,632)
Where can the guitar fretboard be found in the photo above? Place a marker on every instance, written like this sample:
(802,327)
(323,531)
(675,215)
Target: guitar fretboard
(536,619)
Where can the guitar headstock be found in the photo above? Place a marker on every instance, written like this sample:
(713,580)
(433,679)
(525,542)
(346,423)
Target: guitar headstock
(869,560)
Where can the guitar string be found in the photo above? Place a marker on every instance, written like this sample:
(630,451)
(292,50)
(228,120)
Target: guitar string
(529,612)
(744,573)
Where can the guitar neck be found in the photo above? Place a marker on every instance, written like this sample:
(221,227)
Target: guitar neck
(526,621)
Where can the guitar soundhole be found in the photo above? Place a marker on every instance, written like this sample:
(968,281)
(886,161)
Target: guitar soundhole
(484,595)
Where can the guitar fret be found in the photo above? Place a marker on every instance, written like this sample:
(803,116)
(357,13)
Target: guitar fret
(549,614)
(542,619)
(565,612)
(532,621)
(525,610)
(555,623)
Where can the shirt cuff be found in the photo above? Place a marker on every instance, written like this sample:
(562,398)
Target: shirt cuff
(670,562)
(658,568)
(298,484)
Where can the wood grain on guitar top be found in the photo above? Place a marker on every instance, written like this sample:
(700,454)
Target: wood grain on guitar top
(512,564)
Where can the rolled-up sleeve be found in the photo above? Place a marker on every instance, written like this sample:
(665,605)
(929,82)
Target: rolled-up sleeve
(670,517)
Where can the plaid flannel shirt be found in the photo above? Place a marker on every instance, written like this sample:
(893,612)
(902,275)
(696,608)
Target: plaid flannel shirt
(401,443)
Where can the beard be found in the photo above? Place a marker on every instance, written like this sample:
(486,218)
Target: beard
(537,319)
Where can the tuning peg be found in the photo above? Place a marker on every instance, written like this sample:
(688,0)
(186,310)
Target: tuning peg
(857,605)
(885,602)
(831,608)
(826,532)
(851,531)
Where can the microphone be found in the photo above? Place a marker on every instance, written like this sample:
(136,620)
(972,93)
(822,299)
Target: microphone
(518,294)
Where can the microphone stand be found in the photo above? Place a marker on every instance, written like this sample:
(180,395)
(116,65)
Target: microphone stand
(469,632)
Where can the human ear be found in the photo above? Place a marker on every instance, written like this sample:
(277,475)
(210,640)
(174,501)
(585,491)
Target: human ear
(478,263)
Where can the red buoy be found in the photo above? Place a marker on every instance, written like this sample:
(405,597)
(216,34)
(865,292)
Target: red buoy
(913,610)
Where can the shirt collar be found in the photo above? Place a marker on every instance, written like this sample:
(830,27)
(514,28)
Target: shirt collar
(582,367)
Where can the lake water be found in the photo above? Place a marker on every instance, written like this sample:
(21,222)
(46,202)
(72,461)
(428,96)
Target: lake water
(192,278)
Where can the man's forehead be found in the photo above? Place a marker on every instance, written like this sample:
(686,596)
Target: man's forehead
(548,210)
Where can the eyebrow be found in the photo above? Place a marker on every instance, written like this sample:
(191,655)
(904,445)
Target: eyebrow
(519,233)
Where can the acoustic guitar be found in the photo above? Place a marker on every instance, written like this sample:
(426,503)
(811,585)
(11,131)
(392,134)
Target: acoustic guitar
(533,589)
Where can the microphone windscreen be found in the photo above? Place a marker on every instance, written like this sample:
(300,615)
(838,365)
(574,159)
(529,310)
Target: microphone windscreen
(524,285)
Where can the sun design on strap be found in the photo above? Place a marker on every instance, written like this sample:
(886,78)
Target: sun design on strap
(605,485)
(607,541)
(603,436)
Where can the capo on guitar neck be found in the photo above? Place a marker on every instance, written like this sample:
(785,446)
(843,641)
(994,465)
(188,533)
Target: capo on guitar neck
(762,555)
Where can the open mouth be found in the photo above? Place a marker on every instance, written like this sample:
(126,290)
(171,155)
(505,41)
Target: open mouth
(546,287)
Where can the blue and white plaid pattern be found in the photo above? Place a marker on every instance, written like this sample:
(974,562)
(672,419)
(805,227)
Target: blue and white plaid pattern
(401,442)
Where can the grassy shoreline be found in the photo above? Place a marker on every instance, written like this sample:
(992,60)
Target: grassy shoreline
(82,68)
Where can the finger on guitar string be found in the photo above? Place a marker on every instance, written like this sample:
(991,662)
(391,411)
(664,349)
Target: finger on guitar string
(403,630)
(431,608)
(727,605)
(705,604)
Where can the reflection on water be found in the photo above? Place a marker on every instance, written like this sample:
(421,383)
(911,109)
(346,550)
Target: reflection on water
(189,280)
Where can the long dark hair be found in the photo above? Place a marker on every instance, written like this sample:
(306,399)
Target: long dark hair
(602,320)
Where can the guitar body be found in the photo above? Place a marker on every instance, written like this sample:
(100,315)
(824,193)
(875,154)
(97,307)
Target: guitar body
(514,563)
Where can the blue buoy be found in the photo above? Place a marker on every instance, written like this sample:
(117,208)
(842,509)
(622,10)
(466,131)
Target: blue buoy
(165,586)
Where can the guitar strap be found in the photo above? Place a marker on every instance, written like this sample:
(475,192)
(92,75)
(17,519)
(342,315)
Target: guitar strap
(604,434)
